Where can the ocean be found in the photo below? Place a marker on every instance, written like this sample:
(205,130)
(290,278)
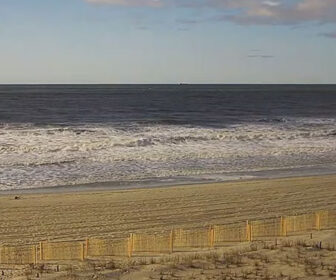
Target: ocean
(142,135)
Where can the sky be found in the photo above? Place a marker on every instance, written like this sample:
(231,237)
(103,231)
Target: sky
(167,41)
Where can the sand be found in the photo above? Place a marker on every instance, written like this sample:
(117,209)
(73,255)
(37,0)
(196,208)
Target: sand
(68,216)
(298,257)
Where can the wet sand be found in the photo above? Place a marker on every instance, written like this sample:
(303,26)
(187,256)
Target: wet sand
(64,216)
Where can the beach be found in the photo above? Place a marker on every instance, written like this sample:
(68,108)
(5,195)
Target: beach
(168,140)
(77,215)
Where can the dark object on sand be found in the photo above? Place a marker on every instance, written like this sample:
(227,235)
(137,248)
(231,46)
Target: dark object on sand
(16,197)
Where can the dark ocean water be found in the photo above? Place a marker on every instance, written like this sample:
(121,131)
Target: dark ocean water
(76,134)
(206,105)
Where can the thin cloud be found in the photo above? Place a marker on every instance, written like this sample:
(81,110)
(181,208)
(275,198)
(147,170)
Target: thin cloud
(137,3)
(260,56)
(272,3)
(249,12)
(188,21)
(183,29)
(258,53)
(331,35)
(278,13)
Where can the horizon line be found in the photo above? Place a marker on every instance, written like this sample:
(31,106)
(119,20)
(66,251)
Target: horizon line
(180,84)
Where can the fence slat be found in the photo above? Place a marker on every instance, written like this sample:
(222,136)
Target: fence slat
(17,254)
(98,247)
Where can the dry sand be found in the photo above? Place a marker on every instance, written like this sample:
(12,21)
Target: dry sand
(38,217)
(290,258)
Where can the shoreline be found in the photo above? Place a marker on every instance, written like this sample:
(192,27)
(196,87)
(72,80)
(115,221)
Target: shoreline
(300,172)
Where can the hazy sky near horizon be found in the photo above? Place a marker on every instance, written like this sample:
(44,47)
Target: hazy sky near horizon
(168,41)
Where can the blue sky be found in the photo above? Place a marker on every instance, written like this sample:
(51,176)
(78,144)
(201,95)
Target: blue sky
(167,41)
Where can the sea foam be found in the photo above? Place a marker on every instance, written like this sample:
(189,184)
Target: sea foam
(34,156)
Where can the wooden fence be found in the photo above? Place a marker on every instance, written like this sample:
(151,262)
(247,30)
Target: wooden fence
(169,242)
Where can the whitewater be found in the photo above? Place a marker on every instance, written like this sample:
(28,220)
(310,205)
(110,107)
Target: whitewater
(36,156)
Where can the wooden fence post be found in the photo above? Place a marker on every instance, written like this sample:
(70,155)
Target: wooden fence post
(171,241)
(212,237)
(130,245)
(251,232)
(210,242)
(248,231)
(41,251)
(318,220)
(283,226)
(35,254)
(86,247)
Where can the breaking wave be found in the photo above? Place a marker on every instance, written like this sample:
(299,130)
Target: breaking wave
(33,156)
